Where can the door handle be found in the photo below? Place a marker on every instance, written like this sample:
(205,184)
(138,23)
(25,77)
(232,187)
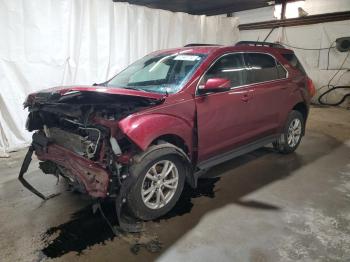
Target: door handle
(245,97)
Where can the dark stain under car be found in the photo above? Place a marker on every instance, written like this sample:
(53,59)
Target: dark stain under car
(86,229)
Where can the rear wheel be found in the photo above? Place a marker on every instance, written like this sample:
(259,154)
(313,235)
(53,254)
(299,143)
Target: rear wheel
(292,133)
(160,181)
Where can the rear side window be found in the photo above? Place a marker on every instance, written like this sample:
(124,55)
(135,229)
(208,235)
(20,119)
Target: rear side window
(294,61)
(261,68)
(230,67)
(282,73)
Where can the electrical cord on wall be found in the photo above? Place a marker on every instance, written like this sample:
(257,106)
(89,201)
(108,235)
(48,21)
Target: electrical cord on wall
(329,49)
(331,87)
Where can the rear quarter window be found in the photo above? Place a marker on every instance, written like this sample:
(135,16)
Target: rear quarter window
(294,61)
(282,72)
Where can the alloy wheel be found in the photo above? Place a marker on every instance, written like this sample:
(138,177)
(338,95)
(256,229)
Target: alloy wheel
(160,184)
(294,132)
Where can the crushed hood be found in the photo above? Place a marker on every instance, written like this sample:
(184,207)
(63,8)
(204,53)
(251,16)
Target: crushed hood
(58,93)
(83,103)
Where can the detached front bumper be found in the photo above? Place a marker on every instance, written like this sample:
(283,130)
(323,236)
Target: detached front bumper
(93,176)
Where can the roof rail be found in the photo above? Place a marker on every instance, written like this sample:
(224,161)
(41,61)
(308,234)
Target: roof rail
(257,43)
(197,44)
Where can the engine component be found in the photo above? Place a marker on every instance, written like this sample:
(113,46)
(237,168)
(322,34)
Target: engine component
(115,146)
(85,143)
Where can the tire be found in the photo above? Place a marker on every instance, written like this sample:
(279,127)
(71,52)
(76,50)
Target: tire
(156,159)
(285,144)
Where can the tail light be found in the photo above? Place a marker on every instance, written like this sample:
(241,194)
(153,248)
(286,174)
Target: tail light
(310,87)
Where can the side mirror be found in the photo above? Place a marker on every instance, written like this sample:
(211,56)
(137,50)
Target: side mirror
(215,85)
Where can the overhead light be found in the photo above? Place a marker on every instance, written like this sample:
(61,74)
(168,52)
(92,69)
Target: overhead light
(292,9)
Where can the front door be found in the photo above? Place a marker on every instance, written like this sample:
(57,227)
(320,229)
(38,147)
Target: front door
(224,118)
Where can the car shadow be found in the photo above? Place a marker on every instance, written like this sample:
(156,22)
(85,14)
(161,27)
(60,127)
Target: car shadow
(224,184)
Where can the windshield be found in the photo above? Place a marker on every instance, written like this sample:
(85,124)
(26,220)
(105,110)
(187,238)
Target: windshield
(164,73)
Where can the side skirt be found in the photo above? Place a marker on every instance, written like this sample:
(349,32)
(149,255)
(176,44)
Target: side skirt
(235,153)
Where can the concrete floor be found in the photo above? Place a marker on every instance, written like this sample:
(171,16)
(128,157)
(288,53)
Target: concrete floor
(263,207)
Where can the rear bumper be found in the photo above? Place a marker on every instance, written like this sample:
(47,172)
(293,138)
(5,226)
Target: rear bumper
(94,177)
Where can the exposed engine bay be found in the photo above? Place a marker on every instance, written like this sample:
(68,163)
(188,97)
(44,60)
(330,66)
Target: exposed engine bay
(72,120)
(77,108)
(84,142)
(77,137)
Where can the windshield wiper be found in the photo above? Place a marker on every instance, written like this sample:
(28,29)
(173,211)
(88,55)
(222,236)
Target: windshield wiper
(99,84)
(133,88)
(137,89)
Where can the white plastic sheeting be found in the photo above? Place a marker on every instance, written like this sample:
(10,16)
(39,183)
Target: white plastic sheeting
(61,42)
(314,36)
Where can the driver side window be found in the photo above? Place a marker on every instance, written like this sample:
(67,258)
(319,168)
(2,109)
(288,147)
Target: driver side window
(230,67)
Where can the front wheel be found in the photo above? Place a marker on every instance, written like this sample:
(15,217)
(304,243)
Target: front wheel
(292,133)
(160,181)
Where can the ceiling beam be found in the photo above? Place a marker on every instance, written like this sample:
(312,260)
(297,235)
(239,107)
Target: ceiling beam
(231,8)
(201,7)
(312,19)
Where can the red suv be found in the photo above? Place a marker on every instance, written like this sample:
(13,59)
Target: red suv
(140,136)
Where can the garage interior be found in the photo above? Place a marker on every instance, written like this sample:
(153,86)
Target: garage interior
(261,206)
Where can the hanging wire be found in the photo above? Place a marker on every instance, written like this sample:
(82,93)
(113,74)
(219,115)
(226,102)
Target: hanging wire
(331,87)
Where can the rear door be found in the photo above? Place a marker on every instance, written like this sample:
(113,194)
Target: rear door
(268,78)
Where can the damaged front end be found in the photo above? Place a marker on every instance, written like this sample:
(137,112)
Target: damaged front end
(77,137)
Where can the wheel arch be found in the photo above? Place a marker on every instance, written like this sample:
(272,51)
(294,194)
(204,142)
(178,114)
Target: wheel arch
(302,108)
(145,130)
(172,139)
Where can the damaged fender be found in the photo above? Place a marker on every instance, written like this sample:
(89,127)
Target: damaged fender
(144,129)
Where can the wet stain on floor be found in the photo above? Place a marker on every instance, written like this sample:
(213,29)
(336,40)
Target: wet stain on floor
(204,188)
(86,229)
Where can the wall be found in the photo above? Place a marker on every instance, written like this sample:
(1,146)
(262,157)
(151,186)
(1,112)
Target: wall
(314,36)
(63,42)
(314,7)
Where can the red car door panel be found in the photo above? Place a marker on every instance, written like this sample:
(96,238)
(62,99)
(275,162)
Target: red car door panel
(223,118)
(223,121)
